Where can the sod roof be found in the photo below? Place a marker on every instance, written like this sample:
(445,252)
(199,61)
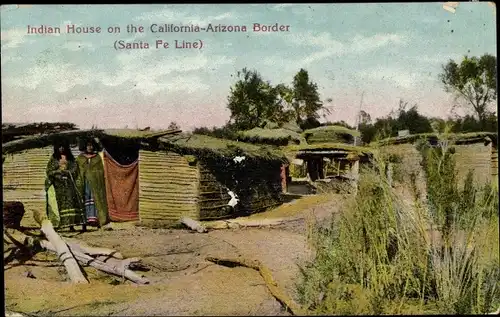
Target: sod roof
(330,146)
(469,137)
(203,145)
(270,135)
(44,140)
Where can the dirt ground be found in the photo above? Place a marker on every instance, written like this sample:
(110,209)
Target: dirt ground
(182,282)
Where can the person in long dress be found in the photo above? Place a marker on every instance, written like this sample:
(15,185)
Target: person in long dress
(64,206)
(92,185)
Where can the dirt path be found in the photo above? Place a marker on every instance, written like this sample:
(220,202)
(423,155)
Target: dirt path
(183,283)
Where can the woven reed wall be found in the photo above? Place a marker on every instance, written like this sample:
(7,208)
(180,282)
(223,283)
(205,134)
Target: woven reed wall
(169,188)
(213,196)
(410,164)
(24,179)
(260,187)
(477,157)
(494,166)
(256,182)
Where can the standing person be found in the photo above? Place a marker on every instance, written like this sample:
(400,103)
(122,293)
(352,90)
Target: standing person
(92,185)
(64,206)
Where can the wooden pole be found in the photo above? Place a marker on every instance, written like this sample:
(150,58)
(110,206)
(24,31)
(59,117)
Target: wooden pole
(113,266)
(65,255)
(193,224)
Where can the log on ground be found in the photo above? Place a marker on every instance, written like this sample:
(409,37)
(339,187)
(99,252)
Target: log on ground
(271,284)
(112,266)
(193,224)
(65,256)
(93,251)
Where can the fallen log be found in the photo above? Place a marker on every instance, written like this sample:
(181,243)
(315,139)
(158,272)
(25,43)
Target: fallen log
(112,266)
(271,284)
(193,224)
(64,253)
(93,251)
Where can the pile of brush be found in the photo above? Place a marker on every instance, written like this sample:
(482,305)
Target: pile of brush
(70,252)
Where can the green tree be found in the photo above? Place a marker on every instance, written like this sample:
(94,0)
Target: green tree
(252,100)
(307,102)
(412,120)
(283,110)
(173,126)
(474,81)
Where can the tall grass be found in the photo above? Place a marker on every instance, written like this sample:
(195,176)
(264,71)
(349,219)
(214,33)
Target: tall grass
(387,254)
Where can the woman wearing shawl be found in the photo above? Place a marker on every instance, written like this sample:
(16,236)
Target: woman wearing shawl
(92,185)
(64,206)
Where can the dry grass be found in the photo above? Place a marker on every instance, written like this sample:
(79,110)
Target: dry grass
(389,256)
(295,208)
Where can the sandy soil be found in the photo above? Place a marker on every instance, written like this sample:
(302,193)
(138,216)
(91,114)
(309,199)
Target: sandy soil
(182,282)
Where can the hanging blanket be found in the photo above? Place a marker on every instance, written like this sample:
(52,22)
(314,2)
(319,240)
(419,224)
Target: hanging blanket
(122,189)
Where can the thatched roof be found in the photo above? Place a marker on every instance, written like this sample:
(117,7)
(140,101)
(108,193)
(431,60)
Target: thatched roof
(330,133)
(330,147)
(138,134)
(457,138)
(202,145)
(44,140)
(278,136)
(15,131)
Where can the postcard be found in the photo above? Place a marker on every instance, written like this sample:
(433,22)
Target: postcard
(250,159)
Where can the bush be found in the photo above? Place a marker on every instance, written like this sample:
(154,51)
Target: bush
(388,255)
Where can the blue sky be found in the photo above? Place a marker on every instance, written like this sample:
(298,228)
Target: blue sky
(388,51)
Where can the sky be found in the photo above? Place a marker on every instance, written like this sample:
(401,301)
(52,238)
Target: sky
(360,55)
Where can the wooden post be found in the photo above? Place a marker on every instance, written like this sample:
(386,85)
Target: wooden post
(109,265)
(193,224)
(389,173)
(65,255)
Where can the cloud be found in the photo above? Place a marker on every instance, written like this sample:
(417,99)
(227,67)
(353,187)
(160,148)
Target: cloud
(281,6)
(439,58)
(398,77)
(171,16)
(190,84)
(295,8)
(81,103)
(361,44)
(13,38)
(61,77)
(77,46)
(9,58)
(326,46)
(145,72)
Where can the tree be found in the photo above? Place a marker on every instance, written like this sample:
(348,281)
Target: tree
(173,126)
(412,120)
(403,118)
(364,117)
(252,100)
(306,102)
(474,81)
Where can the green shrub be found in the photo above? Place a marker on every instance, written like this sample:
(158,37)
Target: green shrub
(387,255)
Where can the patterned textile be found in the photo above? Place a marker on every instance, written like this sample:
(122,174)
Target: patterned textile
(64,205)
(92,187)
(90,207)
